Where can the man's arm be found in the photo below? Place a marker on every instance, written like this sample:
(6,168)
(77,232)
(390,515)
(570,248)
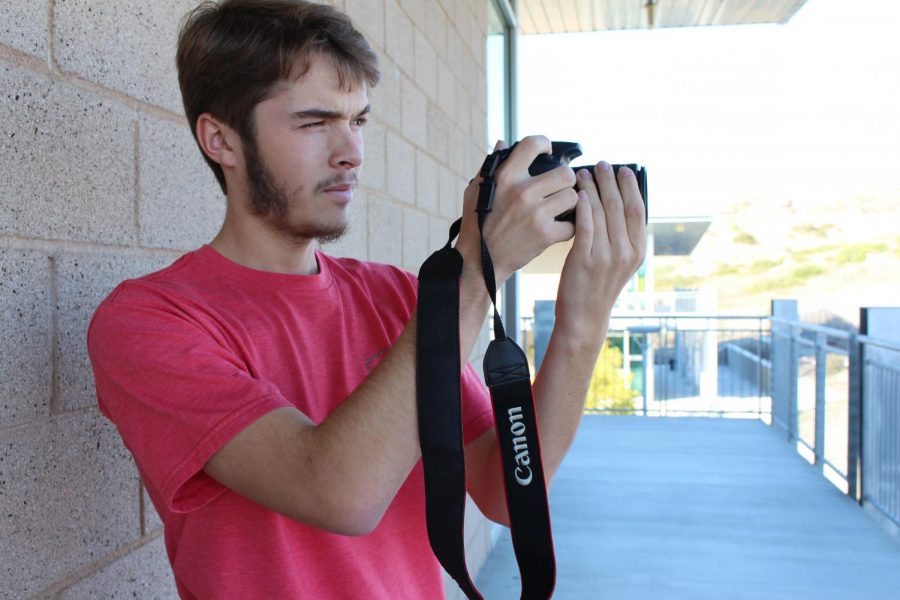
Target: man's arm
(342,474)
(610,242)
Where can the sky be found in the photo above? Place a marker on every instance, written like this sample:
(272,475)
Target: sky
(719,115)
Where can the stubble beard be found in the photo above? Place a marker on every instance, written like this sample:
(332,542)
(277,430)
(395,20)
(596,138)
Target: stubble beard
(271,199)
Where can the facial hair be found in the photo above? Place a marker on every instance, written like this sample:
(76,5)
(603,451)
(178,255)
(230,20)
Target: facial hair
(271,199)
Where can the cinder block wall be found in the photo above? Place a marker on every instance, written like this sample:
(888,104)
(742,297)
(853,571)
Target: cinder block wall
(100,180)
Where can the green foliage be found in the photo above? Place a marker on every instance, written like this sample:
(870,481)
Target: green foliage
(812,230)
(763,266)
(795,278)
(672,281)
(743,237)
(724,270)
(858,252)
(610,389)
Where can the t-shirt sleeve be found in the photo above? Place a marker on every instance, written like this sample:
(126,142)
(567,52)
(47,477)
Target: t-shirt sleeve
(175,392)
(478,416)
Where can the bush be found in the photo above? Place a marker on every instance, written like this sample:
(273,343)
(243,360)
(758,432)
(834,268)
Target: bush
(610,390)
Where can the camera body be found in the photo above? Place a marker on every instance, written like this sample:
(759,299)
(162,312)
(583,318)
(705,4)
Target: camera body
(562,154)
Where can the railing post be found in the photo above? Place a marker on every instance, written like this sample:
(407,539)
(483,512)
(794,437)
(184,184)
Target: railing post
(821,372)
(781,357)
(854,419)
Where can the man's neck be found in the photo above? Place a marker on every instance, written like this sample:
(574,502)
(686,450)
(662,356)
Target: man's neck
(255,245)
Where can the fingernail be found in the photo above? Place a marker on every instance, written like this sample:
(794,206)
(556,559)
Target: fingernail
(583,174)
(624,172)
(603,166)
(498,145)
(582,195)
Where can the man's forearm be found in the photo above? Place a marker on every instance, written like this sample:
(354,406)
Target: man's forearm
(560,388)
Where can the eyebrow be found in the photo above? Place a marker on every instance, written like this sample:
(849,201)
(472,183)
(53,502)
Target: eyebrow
(323,113)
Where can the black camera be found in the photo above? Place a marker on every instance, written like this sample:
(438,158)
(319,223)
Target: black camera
(563,153)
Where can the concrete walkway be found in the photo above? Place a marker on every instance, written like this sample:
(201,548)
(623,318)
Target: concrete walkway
(694,508)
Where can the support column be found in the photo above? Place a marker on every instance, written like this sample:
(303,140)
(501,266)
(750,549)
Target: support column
(783,389)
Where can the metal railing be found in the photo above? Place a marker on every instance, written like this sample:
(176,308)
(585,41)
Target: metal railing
(834,392)
(879,393)
(689,365)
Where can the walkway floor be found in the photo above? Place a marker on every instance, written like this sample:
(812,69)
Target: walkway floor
(694,508)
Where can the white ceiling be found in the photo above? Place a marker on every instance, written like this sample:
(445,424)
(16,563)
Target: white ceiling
(569,16)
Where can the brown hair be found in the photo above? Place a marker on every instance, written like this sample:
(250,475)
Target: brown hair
(234,54)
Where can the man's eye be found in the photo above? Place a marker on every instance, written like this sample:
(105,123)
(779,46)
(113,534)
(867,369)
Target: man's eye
(312,125)
(361,121)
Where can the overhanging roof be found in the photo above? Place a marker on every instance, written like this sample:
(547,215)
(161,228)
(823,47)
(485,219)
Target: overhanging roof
(570,16)
(672,236)
(677,237)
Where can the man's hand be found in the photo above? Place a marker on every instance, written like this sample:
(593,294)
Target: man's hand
(610,242)
(521,224)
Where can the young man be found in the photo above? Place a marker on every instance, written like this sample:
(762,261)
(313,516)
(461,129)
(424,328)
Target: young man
(267,390)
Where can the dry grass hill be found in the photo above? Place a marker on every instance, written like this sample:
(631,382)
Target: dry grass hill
(832,255)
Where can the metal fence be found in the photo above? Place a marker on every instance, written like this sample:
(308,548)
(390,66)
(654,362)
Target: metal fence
(686,365)
(834,392)
(879,391)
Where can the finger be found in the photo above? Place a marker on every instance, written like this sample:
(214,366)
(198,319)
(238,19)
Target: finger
(584,225)
(500,145)
(612,204)
(635,218)
(525,152)
(554,180)
(557,203)
(587,183)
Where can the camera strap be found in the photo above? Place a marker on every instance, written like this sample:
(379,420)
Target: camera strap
(438,373)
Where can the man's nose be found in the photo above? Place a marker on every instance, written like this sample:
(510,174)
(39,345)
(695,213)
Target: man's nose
(348,149)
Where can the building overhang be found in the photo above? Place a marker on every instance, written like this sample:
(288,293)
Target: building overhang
(672,236)
(572,16)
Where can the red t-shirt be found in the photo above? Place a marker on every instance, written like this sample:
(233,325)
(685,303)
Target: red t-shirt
(187,357)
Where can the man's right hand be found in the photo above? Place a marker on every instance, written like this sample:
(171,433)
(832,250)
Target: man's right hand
(521,224)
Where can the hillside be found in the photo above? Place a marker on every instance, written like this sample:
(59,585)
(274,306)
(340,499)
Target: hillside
(831,255)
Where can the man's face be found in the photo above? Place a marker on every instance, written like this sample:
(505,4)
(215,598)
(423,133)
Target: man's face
(303,165)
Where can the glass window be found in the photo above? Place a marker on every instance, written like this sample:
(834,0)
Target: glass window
(498,68)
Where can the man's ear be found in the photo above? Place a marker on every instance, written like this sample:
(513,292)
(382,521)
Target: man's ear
(219,142)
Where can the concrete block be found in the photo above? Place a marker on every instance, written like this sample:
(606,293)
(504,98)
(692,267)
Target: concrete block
(427,183)
(438,133)
(66,177)
(457,141)
(447,85)
(438,232)
(447,194)
(24,26)
(386,96)
(145,573)
(426,65)
(436,27)
(401,168)
(461,110)
(25,346)
(415,9)
(415,113)
(68,497)
(368,17)
(355,241)
(399,41)
(127,46)
(181,205)
(152,520)
(372,174)
(385,235)
(84,280)
(415,238)
(457,53)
